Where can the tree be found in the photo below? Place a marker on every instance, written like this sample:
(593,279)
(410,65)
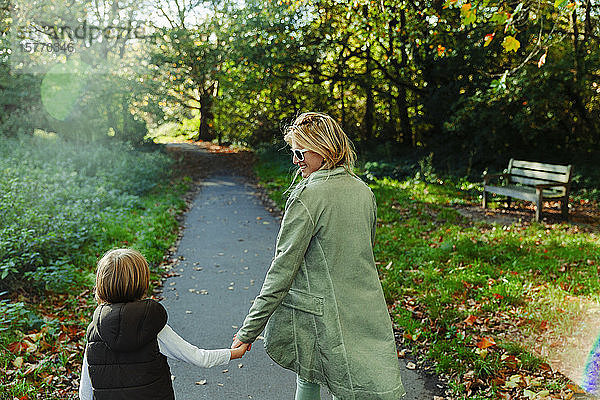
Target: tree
(189,60)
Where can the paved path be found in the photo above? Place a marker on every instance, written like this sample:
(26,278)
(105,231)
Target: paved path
(225,251)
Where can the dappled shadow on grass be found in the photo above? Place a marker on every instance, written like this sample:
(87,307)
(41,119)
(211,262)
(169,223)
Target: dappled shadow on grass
(583,213)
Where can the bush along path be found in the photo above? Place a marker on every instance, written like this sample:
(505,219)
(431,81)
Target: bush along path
(225,250)
(500,311)
(62,206)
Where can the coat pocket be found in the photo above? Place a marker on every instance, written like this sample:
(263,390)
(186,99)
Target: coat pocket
(302,301)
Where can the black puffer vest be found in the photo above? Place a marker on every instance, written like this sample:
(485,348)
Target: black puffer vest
(122,352)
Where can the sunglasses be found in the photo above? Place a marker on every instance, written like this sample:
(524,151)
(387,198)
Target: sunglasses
(299,153)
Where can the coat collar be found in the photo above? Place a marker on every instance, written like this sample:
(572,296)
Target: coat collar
(326,173)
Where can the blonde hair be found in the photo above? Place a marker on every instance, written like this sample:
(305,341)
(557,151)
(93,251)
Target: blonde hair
(323,135)
(122,276)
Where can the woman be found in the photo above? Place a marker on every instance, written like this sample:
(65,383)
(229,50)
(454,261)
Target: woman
(321,305)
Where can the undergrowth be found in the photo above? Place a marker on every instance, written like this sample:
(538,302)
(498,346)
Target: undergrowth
(62,205)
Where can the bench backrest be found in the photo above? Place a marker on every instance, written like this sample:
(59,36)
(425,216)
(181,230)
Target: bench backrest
(533,173)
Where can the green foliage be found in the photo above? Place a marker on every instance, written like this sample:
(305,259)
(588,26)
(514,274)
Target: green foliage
(475,83)
(275,173)
(57,199)
(16,316)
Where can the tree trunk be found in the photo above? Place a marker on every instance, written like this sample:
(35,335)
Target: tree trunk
(343,103)
(576,52)
(405,126)
(368,119)
(125,116)
(588,20)
(406,134)
(206,115)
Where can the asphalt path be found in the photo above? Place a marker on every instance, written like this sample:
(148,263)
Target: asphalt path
(226,248)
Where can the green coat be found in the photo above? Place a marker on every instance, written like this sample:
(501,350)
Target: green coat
(327,317)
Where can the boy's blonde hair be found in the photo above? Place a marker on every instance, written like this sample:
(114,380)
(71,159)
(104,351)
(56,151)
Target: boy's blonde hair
(323,135)
(122,276)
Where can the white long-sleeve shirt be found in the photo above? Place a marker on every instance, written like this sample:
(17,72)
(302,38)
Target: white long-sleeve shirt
(171,345)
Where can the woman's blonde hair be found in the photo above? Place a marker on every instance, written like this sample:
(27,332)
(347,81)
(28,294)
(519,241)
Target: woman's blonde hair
(323,135)
(122,276)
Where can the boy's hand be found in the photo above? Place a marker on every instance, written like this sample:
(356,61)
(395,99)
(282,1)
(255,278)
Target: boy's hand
(238,352)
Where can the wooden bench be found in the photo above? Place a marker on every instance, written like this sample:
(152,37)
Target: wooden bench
(532,181)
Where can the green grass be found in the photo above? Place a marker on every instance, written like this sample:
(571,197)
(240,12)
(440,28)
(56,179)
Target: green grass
(439,268)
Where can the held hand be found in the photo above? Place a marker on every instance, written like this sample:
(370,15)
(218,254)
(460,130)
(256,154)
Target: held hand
(237,343)
(238,352)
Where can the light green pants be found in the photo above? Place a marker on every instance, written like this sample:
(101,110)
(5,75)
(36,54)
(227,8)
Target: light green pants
(307,390)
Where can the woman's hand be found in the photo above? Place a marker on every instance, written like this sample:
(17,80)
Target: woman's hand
(238,352)
(237,343)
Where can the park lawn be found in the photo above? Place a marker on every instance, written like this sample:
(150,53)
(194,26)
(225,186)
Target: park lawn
(492,308)
(81,207)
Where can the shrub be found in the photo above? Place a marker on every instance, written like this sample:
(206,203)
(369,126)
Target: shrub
(54,196)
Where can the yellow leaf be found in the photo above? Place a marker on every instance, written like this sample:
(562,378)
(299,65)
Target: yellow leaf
(511,44)
(468,14)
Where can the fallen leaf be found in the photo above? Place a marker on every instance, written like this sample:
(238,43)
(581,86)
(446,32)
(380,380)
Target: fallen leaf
(486,342)
(575,388)
(411,365)
(17,347)
(513,381)
(201,382)
(18,362)
(470,320)
(482,353)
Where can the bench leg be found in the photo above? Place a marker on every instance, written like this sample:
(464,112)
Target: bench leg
(538,205)
(564,208)
(485,199)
